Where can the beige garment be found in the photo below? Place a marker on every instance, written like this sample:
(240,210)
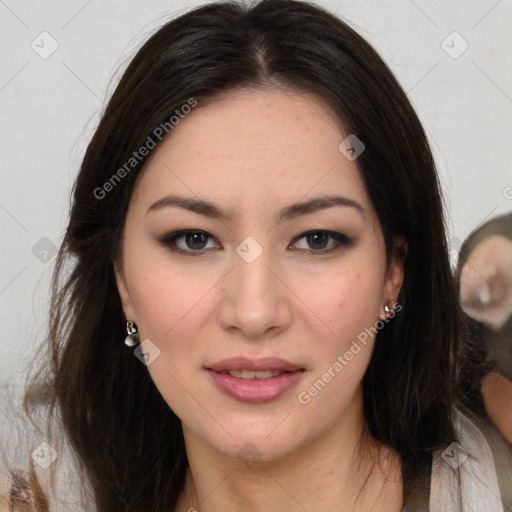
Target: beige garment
(485,474)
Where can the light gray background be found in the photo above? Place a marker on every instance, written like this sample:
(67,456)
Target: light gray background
(50,108)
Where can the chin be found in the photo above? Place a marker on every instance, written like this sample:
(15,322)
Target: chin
(249,444)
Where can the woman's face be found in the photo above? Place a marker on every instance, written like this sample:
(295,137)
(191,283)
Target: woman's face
(251,282)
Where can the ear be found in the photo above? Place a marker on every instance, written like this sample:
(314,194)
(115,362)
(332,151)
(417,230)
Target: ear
(124,294)
(395,273)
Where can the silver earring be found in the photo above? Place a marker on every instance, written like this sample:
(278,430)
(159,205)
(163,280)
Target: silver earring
(133,336)
(387,310)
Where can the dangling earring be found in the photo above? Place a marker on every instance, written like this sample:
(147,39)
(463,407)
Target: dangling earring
(133,336)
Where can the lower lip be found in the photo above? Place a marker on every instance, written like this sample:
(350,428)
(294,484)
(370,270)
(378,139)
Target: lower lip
(256,390)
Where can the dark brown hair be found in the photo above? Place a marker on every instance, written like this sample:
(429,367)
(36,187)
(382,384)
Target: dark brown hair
(127,438)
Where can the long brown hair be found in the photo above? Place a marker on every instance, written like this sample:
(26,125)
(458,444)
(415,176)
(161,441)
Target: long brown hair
(128,440)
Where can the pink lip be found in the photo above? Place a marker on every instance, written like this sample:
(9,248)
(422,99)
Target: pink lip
(262,364)
(256,390)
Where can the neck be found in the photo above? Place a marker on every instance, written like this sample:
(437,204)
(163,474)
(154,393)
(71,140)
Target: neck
(338,471)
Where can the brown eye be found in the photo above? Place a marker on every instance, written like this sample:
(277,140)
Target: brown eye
(319,239)
(193,240)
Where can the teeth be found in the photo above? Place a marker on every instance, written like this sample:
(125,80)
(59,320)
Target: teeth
(250,374)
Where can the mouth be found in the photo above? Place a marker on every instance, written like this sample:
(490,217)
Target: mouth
(252,375)
(260,367)
(255,380)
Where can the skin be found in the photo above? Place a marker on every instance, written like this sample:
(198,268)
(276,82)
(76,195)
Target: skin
(497,393)
(253,153)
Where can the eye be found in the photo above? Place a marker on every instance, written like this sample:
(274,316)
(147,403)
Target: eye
(194,241)
(319,239)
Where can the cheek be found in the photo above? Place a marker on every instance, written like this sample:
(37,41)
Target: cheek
(349,301)
(164,296)
(165,313)
(172,311)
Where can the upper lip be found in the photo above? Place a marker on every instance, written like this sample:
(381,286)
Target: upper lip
(245,363)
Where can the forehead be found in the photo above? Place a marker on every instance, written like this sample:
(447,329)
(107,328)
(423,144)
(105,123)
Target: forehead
(266,118)
(265,146)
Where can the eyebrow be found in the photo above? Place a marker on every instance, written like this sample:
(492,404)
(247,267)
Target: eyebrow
(290,212)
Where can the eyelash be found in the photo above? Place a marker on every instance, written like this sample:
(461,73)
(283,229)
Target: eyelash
(170,239)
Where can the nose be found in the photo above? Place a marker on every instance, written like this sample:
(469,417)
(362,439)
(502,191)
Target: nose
(255,300)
